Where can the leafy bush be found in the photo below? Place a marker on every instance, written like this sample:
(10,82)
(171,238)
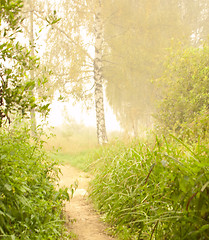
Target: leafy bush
(30,204)
(185,87)
(155,192)
(16,61)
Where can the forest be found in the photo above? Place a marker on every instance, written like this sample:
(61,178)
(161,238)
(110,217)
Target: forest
(148,61)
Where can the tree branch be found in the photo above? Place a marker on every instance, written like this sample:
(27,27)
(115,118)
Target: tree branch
(68,37)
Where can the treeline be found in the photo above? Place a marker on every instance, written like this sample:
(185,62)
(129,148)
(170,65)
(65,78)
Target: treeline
(131,39)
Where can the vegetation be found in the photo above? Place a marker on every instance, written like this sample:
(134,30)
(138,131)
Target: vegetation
(15,85)
(80,70)
(160,189)
(150,189)
(81,160)
(72,137)
(154,192)
(142,27)
(30,203)
(184,86)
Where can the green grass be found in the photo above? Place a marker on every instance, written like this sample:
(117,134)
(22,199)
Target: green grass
(154,191)
(81,160)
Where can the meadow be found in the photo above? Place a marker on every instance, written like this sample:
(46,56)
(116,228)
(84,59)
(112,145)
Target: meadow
(148,188)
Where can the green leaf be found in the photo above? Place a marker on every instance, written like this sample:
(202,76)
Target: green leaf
(2,213)
(3,156)
(13,237)
(204,186)
(8,187)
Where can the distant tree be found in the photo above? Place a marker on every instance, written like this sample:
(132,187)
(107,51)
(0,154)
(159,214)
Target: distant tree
(15,63)
(136,40)
(185,91)
(196,15)
(75,69)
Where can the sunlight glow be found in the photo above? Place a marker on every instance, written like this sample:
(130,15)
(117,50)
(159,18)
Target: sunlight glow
(80,115)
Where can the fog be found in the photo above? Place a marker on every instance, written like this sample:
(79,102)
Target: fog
(107,61)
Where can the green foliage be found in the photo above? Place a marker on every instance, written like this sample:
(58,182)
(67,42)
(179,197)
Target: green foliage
(157,191)
(185,85)
(15,62)
(30,203)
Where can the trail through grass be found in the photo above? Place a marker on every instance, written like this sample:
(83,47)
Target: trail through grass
(154,190)
(82,218)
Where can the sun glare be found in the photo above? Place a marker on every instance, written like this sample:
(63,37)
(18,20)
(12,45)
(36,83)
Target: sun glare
(76,112)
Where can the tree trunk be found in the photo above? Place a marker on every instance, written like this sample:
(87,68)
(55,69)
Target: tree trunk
(32,111)
(98,79)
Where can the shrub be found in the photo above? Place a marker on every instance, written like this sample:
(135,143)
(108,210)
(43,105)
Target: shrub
(185,86)
(30,204)
(155,192)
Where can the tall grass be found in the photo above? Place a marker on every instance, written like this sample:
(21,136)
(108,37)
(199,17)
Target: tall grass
(154,191)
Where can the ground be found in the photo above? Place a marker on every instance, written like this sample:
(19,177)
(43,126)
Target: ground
(82,219)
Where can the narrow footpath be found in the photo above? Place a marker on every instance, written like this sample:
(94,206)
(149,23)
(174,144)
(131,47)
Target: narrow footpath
(82,219)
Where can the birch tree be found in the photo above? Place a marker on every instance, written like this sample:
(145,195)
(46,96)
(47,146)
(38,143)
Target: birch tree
(31,43)
(196,15)
(77,69)
(31,26)
(98,76)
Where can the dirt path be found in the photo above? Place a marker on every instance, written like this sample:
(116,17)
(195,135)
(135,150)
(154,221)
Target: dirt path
(87,224)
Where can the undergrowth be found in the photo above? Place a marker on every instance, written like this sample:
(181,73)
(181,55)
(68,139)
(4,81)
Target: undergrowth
(30,202)
(154,191)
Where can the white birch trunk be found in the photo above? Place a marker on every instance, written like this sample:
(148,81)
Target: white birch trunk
(98,79)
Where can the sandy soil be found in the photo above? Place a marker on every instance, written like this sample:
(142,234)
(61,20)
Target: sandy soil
(82,218)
